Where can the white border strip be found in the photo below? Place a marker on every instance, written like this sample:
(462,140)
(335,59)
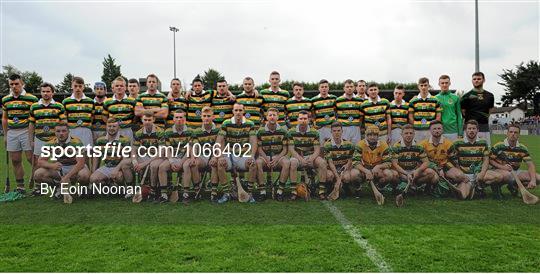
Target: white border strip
(373,255)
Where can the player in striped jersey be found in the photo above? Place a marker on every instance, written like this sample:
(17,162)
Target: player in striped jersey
(133,92)
(410,160)
(397,115)
(360,89)
(241,131)
(99,121)
(175,100)
(305,149)
(65,170)
(154,101)
(197,100)
(177,137)
(116,169)
(79,112)
(374,111)
(423,109)
(338,154)
(121,107)
(372,160)
(222,104)
(272,147)
(296,104)
(150,135)
(275,97)
(506,156)
(15,120)
(471,156)
(324,111)
(252,101)
(348,112)
(206,134)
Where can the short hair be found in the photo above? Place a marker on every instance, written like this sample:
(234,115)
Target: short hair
(119,79)
(61,124)
(400,87)
(133,81)
(272,110)
(303,112)
(423,80)
(336,124)
(479,73)
(207,110)
(196,79)
(47,85)
(471,122)
(407,126)
(274,73)
(373,85)
(112,120)
(444,76)
(435,122)
(14,77)
(222,80)
(151,75)
(77,80)
(348,81)
(247,78)
(179,111)
(298,84)
(360,81)
(175,79)
(148,113)
(323,81)
(514,125)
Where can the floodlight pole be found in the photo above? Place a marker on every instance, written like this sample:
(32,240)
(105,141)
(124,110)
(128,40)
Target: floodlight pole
(174,30)
(477,43)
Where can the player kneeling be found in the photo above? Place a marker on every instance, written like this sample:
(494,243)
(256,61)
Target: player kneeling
(62,173)
(116,169)
(411,162)
(305,150)
(338,154)
(272,148)
(373,161)
(175,137)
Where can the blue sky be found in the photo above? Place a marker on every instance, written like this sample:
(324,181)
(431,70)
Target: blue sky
(304,40)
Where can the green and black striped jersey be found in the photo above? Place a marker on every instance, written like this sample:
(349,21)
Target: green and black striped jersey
(374,114)
(98,123)
(324,109)
(272,142)
(174,105)
(339,155)
(45,118)
(79,113)
(504,153)
(469,156)
(237,133)
(148,139)
(112,159)
(176,139)
(424,111)
(222,107)
(304,142)
(399,114)
(409,157)
(18,109)
(153,101)
(252,107)
(122,110)
(348,111)
(294,106)
(196,102)
(276,100)
(203,136)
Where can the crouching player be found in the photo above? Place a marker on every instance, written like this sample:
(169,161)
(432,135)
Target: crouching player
(237,131)
(66,170)
(116,169)
(272,148)
(305,149)
(338,154)
(176,137)
(373,161)
(471,156)
(410,161)
(506,157)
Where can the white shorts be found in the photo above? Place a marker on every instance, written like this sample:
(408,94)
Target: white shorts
(38,144)
(67,169)
(105,170)
(84,134)
(352,134)
(239,163)
(420,135)
(128,133)
(485,136)
(395,136)
(451,136)
(17,140)
(325,133)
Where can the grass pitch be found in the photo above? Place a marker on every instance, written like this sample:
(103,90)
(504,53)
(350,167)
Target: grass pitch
(107,234)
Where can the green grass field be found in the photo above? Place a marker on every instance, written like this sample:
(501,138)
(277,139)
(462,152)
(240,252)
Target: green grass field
(106,234)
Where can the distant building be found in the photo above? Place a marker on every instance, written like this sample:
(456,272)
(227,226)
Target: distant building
(505,115)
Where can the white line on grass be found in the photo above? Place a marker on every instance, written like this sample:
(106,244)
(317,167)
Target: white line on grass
(372,254)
